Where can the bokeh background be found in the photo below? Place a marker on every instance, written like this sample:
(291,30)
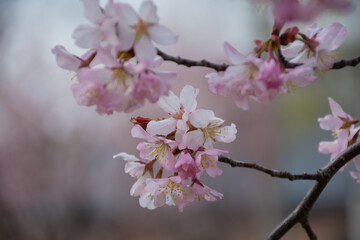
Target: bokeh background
(57,176)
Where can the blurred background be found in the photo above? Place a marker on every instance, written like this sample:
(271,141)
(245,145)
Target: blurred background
(57,176)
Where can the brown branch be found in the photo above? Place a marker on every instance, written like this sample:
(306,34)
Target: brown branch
(305,206)
(271,172)
(305,224)
(337,65)
(222,67)
(192,63)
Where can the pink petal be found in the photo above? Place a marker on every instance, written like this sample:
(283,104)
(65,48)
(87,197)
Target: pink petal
(234,56)
(66,60)
(336,109)
(329,122)
(138,132)
(332,36)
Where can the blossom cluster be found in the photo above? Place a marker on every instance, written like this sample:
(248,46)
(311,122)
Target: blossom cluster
(118,71)
(250,77)
(344,131)
(182,144)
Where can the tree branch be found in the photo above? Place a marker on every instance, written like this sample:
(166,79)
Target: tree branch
(337,65)
(222,67)
(271,172)
(305,224)
(305,206)
(192,63)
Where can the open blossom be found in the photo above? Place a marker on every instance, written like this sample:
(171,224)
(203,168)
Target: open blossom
(178,109)
(342,126)
(251,78)
(320,46)
(185,155)
(209,130)
(170,191)
(239,80)
(155,148)
(207,161)
(138,30)
(118,72)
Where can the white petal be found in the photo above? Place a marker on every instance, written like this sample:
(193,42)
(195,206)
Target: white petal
(144,49)
(126,36)
(147,12)
(147,201)
(163,127)
(193,140)
(188,98)
(87,36)
(226,134)
(292,50)
(127,14)
(162,35)
(170,104)
(201,118)
(92,10)
(126,157)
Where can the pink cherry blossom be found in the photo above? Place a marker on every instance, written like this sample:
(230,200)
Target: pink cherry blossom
(186,166)
(271,79)
(138,30)
(341,124)
(209,130)
(133,165)
(335,120)
(179,110)
(149,85)
(170,191)
(156,148)
(102,29)
(239,81)
(206,192)
(207,161)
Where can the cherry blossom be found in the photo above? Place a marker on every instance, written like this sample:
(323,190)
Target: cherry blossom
(209,130)
(138,30)
(342,126)
(319,45)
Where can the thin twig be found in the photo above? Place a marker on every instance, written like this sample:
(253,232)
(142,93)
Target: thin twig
(305,224)
(271,172)
(222,67)
(192,63)
(337,65)
(306,204)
